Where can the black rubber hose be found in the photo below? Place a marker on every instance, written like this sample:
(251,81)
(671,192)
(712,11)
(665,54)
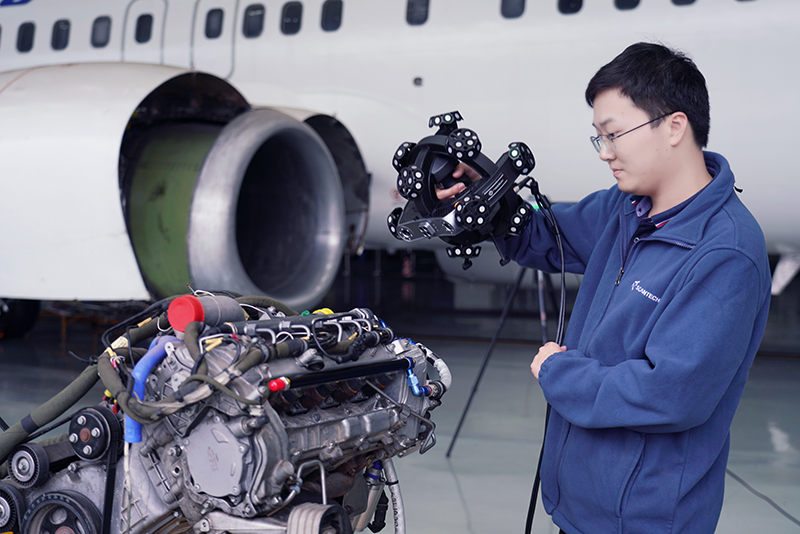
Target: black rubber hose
(48,412)
(191,339)
(127,402)
(266,302)
(112,381)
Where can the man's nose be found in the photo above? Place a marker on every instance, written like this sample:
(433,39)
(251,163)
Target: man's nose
(606,154)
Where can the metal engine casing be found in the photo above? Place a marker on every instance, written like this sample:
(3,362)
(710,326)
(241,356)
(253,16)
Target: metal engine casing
(221,465)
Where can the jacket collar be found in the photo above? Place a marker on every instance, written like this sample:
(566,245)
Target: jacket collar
(687,227)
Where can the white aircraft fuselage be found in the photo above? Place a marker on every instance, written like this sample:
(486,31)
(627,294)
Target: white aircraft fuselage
(83,123)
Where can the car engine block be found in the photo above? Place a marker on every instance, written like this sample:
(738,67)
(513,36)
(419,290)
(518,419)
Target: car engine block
(239,416)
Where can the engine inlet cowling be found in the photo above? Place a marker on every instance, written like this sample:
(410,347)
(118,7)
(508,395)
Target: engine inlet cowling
(254,206)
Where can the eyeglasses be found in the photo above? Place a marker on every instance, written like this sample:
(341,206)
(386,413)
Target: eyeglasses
(607,141)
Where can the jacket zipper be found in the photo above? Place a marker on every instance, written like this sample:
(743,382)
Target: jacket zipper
(635,241)
(625,260)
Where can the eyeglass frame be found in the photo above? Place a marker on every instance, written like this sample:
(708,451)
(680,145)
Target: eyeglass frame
(598,145)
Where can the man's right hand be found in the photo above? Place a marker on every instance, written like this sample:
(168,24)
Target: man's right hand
(462,170)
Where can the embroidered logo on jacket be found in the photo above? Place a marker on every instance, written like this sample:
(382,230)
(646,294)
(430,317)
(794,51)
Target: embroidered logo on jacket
(636,287)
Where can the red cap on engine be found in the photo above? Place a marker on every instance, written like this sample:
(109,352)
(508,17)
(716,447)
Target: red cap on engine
(279,384)
(184,310)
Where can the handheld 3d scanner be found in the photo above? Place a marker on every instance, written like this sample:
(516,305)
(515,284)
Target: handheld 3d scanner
(486,208)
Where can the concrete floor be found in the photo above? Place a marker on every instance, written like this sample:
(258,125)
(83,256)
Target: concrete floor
(485,485)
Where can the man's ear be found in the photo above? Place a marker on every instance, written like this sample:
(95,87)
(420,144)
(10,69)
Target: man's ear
(679,128)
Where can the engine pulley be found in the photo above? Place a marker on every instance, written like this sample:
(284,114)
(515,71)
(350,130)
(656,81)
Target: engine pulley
(29,465)
(12,505)
(62,512)
(92,431)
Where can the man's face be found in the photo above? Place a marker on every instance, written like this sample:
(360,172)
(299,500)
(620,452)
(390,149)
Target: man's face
(636,162)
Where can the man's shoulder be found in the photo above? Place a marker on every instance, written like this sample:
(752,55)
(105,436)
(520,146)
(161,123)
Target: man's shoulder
(734,231)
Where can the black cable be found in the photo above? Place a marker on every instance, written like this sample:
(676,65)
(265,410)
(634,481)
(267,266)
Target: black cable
(161,305)
(197,362)
(547,212)
(88,361)
(495,339)
(130,343)
(760,495)
(316,339)
(44,430)
(537,478)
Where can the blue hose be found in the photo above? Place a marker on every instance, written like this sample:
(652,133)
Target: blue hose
(156,353)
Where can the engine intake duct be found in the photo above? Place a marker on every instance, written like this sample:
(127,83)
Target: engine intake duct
(254,206)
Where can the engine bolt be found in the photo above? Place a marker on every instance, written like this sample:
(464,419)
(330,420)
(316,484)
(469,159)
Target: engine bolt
(23,465)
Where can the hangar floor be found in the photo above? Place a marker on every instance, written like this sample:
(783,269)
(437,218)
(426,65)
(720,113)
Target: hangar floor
(485,484)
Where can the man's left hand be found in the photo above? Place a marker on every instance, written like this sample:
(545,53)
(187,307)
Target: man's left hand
(547,350)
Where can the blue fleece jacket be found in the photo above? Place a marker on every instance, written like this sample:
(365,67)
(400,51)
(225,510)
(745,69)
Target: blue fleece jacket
(660,341)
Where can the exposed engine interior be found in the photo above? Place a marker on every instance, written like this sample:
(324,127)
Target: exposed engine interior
(223,195)
(228,415)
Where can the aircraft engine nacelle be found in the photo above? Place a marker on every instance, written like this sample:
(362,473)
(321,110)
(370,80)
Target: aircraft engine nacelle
(157,178)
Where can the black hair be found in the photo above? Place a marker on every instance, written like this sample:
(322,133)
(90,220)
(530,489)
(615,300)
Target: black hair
(659,81)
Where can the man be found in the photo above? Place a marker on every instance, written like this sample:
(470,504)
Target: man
(668,318)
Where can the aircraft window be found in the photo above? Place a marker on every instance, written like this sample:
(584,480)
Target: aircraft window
(331,15)
(25,36)
(568,7)
(417,12)
(512,9)
(60,38)
(253,20)
(144,28)
(626,4)
(291,18)
(101,31)
(214,23)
